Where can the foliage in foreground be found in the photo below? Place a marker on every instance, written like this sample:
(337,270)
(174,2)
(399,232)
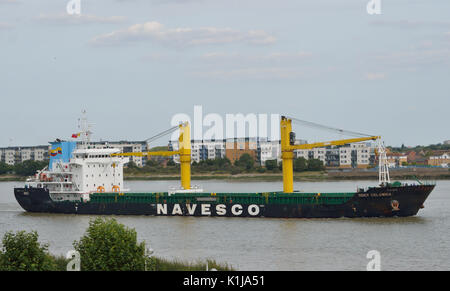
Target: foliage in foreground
(110,246)
(22,251)
(106,246)
(160,264)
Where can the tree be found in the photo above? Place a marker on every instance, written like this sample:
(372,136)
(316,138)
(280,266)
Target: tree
(21,251)
(315,165)
(300,164)
(132,165)
(151,163)
(245,161)
(110,246)
(271,164)
(29,167)
(222,162)
(4,168)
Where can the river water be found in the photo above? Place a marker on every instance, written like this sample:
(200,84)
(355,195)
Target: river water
(414,243)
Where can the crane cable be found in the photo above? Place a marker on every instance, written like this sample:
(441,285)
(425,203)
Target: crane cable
(325,127)
(161,134)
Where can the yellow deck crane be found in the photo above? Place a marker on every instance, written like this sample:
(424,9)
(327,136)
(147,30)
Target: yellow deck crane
(184,151)
(288,146)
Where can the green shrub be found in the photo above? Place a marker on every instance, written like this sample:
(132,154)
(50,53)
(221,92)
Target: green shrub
(315,165)
(29,167)
(21,251)
(60,262)
(4,168)
(300,164)
(245,161)
(110,246)
(261,170)
(236,171)
(271,164)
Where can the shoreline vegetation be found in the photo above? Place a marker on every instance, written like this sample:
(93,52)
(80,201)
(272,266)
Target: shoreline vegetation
(317,176)
(327,175)
(244,169)
(106,246)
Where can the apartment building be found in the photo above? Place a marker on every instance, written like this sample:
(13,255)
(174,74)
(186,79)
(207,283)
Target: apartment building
(442,160)
(234,149)
(14,155)
(359,155)
(395,160)
(363,155)
(201,150)
(261,150)
(268,150)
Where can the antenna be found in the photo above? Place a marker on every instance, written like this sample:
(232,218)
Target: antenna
(85,128)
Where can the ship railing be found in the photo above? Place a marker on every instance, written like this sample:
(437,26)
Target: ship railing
(179,190)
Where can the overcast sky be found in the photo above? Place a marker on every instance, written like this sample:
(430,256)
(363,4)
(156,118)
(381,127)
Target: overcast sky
(133,64)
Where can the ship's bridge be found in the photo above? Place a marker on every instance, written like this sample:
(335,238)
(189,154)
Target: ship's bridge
(95,153)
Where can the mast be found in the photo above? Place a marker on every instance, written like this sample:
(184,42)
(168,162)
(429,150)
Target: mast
(85,129)
(383,174)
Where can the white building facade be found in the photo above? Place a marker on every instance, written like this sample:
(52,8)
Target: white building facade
(15,155)
(359,155)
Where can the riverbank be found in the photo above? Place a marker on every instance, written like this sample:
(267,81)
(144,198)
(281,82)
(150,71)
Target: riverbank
(11,178)
(330,175)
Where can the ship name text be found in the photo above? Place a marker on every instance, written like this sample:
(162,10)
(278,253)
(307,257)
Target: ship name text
(207,209)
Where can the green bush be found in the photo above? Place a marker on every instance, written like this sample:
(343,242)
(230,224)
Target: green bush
(300,164)
(245,161)
(235,171)
(60,262)
(110,246)
(106,246)
(29,167)
(271,164)
(132,165)
(4,168)
(315,165)
(21,251)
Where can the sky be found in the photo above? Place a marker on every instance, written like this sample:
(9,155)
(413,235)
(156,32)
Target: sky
(134,64)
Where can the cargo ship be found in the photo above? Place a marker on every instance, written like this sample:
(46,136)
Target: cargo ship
(82,179)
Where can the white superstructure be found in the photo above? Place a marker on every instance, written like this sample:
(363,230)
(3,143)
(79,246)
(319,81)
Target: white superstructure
(76,170)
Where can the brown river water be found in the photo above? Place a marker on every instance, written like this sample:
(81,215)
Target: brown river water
(414,243)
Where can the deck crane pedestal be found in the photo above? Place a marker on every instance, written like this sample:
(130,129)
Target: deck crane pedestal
(288,146)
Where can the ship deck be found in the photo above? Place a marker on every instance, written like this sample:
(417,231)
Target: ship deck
(243,198)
